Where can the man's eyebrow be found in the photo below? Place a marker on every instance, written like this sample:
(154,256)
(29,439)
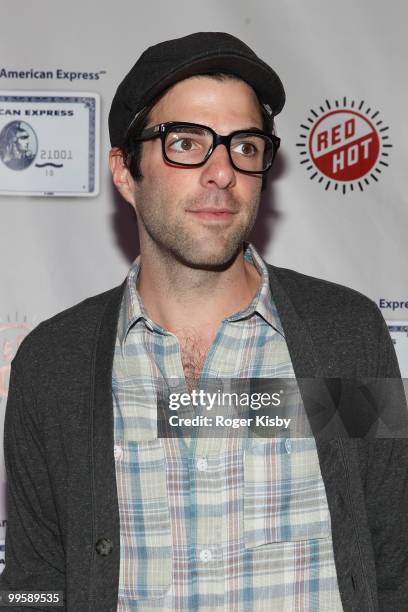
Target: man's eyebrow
(190,128)
(249,129)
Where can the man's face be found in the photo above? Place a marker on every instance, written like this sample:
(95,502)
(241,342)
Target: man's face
(23,141)
(199,216)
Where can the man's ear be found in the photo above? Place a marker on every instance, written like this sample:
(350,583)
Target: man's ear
(121,176)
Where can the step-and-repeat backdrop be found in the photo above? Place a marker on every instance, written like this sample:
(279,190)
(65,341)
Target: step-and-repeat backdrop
(336,203)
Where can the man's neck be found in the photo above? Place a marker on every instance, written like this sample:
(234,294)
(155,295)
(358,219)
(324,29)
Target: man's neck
(175,295)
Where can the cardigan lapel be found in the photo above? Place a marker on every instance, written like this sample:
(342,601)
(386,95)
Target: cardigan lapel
(301,349)
(314,387)
(106,522)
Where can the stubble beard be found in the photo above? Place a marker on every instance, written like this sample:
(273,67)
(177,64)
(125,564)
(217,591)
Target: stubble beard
(175,241)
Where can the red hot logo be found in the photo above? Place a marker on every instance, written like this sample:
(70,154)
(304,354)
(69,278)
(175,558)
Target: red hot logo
(344,146)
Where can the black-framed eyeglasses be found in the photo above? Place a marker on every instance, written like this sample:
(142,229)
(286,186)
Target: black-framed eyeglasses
(191,144)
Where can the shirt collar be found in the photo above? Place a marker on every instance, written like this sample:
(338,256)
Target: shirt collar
(262,302)
(133,310)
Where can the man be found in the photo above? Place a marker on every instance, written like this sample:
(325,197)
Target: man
(15,146)
(101,506)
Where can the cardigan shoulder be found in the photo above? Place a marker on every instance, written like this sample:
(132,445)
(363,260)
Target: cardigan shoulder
(69,333)
(328,303)
(321,294)
(347,328)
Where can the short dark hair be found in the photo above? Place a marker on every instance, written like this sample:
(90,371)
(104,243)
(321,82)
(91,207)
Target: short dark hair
(132,149)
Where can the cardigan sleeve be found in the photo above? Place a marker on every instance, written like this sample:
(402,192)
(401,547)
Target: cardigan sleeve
(386,490)
(34,555)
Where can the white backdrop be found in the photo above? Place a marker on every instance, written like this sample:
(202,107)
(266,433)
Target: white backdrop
(56,251)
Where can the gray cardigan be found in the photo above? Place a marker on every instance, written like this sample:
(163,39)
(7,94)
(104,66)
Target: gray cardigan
(63,519)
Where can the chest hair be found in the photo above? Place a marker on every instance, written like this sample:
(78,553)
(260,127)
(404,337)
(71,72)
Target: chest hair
(194,347)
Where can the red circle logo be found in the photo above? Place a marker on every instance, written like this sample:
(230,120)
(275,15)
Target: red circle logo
(344,145)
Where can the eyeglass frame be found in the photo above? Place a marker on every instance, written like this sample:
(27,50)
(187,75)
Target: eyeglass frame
(161,130)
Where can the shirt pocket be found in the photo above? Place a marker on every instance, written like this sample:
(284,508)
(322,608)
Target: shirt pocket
(284,494)
(146,541)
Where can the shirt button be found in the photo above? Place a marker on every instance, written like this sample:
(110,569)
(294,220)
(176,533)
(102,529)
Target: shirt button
(202,464)
(288,445)
(205,555)
(117,451)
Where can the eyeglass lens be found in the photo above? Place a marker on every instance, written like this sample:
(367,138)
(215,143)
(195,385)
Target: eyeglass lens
(190,146)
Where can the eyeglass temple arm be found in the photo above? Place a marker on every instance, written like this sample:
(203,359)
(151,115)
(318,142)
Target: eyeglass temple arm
(150,132)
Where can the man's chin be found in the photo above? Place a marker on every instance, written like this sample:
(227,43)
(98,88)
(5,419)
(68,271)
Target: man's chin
(205,260)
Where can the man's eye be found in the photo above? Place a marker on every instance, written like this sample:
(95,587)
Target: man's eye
(246,148)
(183,145)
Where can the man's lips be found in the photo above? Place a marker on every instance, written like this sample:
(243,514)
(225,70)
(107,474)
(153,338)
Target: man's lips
(218,214)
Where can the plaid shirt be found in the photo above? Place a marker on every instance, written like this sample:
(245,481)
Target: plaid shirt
(221,524)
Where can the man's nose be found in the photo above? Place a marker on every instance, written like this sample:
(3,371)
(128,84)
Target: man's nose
(218,171)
